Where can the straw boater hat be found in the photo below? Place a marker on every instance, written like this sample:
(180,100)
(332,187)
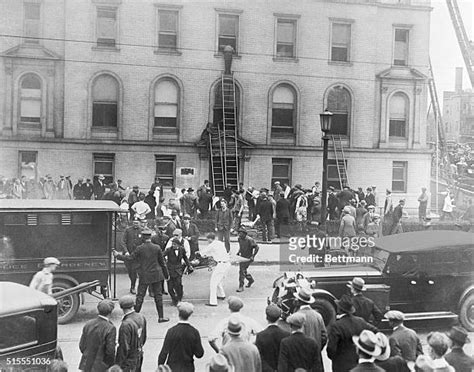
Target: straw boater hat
(304,296)
(357,283)
(384,346)
(368,343)
(219,363)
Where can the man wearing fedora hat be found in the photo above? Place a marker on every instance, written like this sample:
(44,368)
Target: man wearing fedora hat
(365,307)
(298,351)
(385,361)
(340,347)
(190,202)
(403,341)
(314,324)
(248,248)
(99,187)
(367,349)
(457,357)
(242,354)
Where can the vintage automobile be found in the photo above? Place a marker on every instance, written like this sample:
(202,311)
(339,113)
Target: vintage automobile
(79,233)
(426,274)
(28,328)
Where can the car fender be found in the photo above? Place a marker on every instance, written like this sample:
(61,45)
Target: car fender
(70,279)
(321,293)
(465,293)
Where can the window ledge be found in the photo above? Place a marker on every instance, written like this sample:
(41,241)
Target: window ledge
(340,63)
(29,126)
(105,49)
(221,55)
(157,131)
(170,52)
(397,139)
(105,129)
(286,59)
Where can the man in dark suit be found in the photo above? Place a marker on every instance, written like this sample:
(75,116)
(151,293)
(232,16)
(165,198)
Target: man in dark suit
(152,272)
(367,350)
(403,341)
(397,218)
(97,343)
(87,189)
(364,307)
(298,350)
(333,203)
(340,348)
(457,357)
(132,336)
(99,187)
(369,197)
(268,341)
(191,234)
(224,222)
(182,343)
(175,255)
(282,220)
(385,361)
(132,238)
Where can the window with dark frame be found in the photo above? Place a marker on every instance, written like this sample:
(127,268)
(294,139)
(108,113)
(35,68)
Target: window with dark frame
(286,38)
(281,171)
(32,23)
(107,27)
(105,93)
(168,29)
(400,53)
(339,103)
(399,176)
(283,111)
(340,42)
(166,104)
(228,31)
(30,99)
(104,164)
(398,115)
(165,169)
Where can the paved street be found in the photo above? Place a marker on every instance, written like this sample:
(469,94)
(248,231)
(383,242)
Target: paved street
(204,318)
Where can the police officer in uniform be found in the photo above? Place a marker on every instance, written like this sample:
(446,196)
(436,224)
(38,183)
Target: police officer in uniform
(152,271)
(132,238)
(248,248)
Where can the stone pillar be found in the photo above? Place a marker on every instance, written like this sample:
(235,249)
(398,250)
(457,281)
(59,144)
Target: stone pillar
(48,127)
(7,129)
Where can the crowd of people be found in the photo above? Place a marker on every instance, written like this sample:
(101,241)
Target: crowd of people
(290,343)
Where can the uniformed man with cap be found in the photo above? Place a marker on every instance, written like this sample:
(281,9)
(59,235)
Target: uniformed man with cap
(365,307)
(132,238)
(97,343)
(132,336)
(43,280)
(403,341)
(248,248)
(152,272)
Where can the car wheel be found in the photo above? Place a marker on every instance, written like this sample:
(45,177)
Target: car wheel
(466,314)
(326,309)
(68,305)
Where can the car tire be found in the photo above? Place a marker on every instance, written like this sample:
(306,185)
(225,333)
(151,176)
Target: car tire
(68,306)
(466,313)
(326,309)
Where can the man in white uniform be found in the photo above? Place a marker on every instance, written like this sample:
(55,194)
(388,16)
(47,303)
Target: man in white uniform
(43,280)
(216,249)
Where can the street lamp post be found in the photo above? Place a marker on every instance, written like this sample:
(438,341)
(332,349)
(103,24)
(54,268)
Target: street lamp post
(326,122)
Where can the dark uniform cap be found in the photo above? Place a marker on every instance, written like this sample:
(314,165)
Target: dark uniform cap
(146,232)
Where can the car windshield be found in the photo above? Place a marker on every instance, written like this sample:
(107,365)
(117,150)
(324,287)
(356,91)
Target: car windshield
(379,257)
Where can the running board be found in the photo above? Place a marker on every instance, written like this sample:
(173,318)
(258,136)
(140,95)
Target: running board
(429,315)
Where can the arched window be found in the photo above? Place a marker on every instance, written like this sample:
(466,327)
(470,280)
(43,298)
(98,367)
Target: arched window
(105,97)
(339,103)
(398,115)
(30,99)
(166,103)
(283,110)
